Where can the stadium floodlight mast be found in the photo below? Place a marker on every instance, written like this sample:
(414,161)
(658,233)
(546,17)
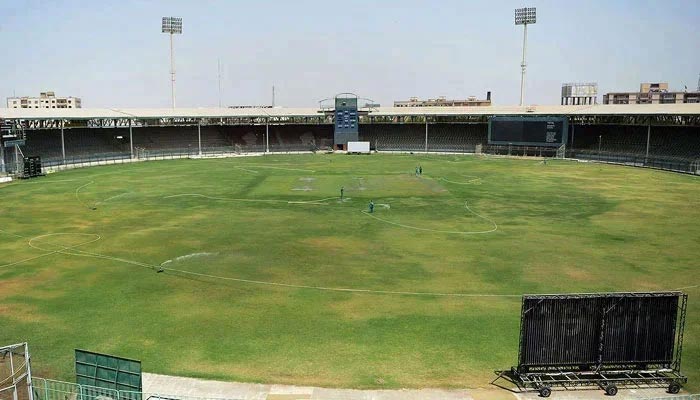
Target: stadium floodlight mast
(524,16)
(172,26)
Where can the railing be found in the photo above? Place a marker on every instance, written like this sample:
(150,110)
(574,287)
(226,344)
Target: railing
(675,164)
(48,389)
(59,164)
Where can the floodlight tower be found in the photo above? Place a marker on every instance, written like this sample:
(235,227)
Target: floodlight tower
(524,17)
(172,25)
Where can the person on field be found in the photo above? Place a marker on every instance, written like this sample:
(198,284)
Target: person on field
(416,171)
(342,192)
(420,170)
(371,206)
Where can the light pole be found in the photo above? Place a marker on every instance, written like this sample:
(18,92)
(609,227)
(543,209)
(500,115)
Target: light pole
(267,130)
(524,17)
(218,70)
(172,25)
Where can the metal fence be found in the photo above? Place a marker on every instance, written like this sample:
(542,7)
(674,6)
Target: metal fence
(15,372)
(54,164)
(675,164)
(48,389)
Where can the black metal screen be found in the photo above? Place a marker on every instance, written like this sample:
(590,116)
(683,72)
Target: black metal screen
(528,131)
(593,330)
(640,329)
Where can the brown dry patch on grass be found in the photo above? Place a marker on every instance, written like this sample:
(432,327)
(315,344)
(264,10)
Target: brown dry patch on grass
(578,275)
(205,369)
(23,284)
(330,243)
(22,313)
(656,285)
(194,363)
(340,247)
(359,308)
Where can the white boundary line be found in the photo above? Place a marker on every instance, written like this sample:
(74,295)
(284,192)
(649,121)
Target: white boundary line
(474,181)
(316,202)
(28,259)
(71,250)
(246,170)
(38,238)
(494,229)
(77,190)
(688,287)
(282,168)
(50,252)
(267,166)
(223,198)
(112,198)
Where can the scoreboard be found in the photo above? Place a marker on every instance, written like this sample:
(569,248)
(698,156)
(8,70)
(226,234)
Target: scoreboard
(528,131)
(346,120)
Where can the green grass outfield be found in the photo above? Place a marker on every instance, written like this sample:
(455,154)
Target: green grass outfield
(258,247)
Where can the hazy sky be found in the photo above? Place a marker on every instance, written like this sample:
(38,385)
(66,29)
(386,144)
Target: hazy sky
(112,53)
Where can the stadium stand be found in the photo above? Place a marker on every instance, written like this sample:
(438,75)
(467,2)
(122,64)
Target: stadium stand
(113,142)
(664,140)
(674,148)
(456,137)
(671,147)
(411,137)
(300,137)
(391,137)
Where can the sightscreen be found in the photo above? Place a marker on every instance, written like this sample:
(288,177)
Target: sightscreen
(595,330)
(528,131)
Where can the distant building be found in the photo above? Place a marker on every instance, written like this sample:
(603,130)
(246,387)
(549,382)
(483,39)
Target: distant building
(45,100)
(574,94)
(444,102)
(652,93)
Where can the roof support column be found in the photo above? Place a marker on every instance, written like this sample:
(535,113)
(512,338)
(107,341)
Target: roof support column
(267,135)
(63,144)
(199,136)
(131,140)
(2,156)
(426,133)
(646,157)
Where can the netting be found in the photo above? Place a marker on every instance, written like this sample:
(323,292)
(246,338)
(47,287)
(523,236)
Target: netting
(561,151)
(15,373)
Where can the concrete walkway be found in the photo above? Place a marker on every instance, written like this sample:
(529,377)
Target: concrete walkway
(179,386)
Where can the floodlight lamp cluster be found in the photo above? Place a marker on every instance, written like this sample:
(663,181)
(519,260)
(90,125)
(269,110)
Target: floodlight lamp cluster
(524,16)
(172,25)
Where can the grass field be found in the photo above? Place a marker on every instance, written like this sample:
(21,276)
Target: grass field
(270,278)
